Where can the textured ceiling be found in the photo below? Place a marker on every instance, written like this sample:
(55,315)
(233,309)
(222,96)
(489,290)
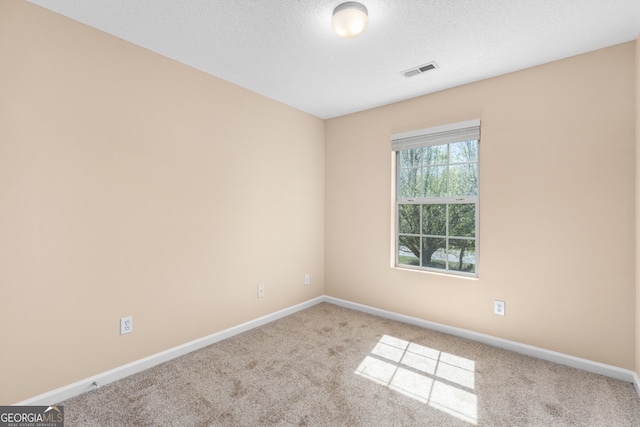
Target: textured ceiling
(286,50)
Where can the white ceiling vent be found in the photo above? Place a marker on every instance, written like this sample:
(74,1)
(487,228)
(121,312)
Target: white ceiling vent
(420,69)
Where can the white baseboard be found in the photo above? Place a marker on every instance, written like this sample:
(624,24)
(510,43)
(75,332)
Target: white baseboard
(540,353)
(87,384)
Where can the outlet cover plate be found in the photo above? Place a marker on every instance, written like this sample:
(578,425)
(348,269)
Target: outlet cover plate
(260,291)
(307,279)
(126,325)
(499,307)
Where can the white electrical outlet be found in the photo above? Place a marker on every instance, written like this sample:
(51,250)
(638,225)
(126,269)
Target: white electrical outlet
(499,307)
(260,291)
(307,279)
(126,325)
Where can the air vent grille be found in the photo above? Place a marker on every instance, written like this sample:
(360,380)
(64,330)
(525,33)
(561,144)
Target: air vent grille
(420,69)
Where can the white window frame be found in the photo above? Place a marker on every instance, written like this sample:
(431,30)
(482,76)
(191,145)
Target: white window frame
(439,135)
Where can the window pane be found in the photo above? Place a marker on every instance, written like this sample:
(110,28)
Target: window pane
(437,206)
(410,182)
(436,155)
(462,152)
(462,220)
(462,255)
(411,158)
(409,250)
(463,180)
(409,216)
(434,252)
(435,181)
(434,220)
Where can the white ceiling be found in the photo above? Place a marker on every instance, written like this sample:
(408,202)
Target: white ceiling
(286,50)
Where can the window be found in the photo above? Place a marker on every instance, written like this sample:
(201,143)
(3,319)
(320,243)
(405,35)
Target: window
(437,198)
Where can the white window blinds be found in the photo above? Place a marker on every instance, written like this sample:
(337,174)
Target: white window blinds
(446,134)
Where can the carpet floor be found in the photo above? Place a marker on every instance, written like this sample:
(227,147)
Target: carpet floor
(331,366)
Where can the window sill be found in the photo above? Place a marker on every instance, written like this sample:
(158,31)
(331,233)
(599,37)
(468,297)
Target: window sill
(472,277)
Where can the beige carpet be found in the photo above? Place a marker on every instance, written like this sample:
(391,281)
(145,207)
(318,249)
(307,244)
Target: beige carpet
(330,366)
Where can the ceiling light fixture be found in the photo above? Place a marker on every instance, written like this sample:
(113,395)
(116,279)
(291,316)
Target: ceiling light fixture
(349,19)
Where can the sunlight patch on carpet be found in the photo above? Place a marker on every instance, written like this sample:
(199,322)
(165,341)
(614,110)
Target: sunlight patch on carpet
(441,380)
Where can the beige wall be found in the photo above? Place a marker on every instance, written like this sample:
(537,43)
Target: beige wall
(556,212)
(637,69)
(133,185)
